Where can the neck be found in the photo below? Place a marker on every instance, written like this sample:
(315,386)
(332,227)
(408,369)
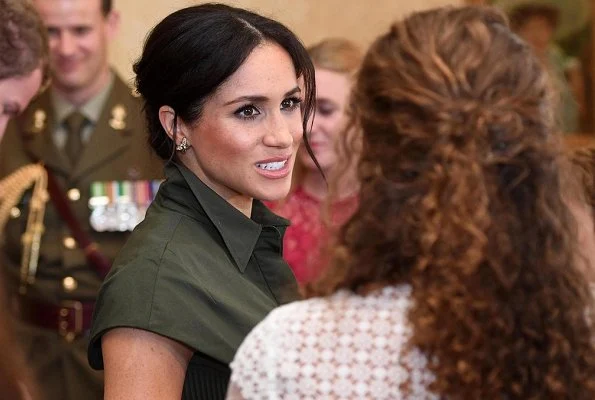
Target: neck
(315,185)
(242,203)
(239,201)
(80,96)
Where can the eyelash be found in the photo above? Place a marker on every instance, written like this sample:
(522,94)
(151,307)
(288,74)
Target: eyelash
(296,101)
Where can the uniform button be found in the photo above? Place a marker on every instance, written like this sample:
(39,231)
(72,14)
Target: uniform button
(15,212)
(69,243)
(69,284)
(74,194)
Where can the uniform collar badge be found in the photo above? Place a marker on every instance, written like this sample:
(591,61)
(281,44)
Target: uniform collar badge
(39,120)
(118,119)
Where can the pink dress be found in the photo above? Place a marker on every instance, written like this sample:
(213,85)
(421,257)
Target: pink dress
(307,237)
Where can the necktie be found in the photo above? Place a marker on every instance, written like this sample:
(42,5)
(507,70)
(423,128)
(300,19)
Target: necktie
(74,125)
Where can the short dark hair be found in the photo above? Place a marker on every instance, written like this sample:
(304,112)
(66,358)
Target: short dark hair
(106,6)
(23,39)
(189,54)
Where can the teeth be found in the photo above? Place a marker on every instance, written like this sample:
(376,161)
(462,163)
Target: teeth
(273,166)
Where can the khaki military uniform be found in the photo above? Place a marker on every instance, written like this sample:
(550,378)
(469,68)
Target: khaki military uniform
(116,149)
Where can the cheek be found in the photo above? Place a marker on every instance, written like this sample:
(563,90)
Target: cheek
(295,127)
(54,45)
(225,143)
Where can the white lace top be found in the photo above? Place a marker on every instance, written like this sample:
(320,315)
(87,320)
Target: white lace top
(342,347)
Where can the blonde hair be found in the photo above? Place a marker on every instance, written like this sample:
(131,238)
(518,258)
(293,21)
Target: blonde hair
(337,55)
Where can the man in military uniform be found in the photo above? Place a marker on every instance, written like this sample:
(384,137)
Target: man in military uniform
(88,131)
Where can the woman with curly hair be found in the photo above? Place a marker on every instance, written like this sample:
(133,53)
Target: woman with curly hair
(459,276)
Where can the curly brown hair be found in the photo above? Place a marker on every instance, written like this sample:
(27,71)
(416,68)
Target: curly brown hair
(462,198)
(583,161)
(23,40)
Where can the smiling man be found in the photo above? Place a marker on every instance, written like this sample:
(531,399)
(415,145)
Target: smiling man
(88,131)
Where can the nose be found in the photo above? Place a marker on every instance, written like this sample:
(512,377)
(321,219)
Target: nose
(65,44)
(280,132)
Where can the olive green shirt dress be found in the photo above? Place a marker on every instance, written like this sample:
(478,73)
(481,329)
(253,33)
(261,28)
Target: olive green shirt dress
(198,271)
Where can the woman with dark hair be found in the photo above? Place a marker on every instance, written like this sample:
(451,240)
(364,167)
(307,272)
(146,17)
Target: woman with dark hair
(227,96)
(459,276)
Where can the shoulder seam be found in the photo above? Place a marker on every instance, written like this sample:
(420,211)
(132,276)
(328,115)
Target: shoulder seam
(165,245)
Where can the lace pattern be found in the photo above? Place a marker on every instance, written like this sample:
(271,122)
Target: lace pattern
(308,234)
(342,347)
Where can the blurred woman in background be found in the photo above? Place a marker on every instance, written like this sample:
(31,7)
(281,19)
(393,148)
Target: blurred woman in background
(313,210)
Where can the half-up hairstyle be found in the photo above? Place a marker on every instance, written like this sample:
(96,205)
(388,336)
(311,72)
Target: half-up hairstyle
(461,197)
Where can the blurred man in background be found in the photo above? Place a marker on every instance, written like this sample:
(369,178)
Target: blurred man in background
(87,130)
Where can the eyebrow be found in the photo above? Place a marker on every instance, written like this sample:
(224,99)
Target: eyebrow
(260,99)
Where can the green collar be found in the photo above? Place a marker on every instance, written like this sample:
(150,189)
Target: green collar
(239,233)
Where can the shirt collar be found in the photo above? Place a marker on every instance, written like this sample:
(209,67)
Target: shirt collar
(91,109)
(240,233)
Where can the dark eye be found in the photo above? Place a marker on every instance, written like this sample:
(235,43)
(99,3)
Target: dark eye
(326,110)
(247,112)
(81,30)
(291,103)
(53,32)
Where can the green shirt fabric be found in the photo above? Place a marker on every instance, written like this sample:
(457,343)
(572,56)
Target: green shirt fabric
(196,270)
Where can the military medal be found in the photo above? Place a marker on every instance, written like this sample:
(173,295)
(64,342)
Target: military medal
(120,205)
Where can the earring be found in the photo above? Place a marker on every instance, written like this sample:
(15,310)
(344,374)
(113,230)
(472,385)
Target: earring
(183,146)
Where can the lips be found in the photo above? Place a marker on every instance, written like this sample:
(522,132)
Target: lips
(272,166)
(276,167)
(66,65)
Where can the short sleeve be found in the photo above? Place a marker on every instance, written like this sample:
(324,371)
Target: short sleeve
(152,288)
(127,299)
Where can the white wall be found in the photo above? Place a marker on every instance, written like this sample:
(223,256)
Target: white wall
(311,20)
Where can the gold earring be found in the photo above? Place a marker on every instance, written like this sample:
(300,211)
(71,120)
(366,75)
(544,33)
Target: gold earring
(183,146)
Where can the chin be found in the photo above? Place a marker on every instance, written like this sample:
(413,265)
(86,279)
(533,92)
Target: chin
(69,84)
(274,194)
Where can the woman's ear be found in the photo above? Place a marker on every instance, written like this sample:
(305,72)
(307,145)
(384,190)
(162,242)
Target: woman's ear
(173,126)
(167,117)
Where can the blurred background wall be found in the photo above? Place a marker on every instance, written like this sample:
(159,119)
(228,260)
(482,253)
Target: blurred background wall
(312,20)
